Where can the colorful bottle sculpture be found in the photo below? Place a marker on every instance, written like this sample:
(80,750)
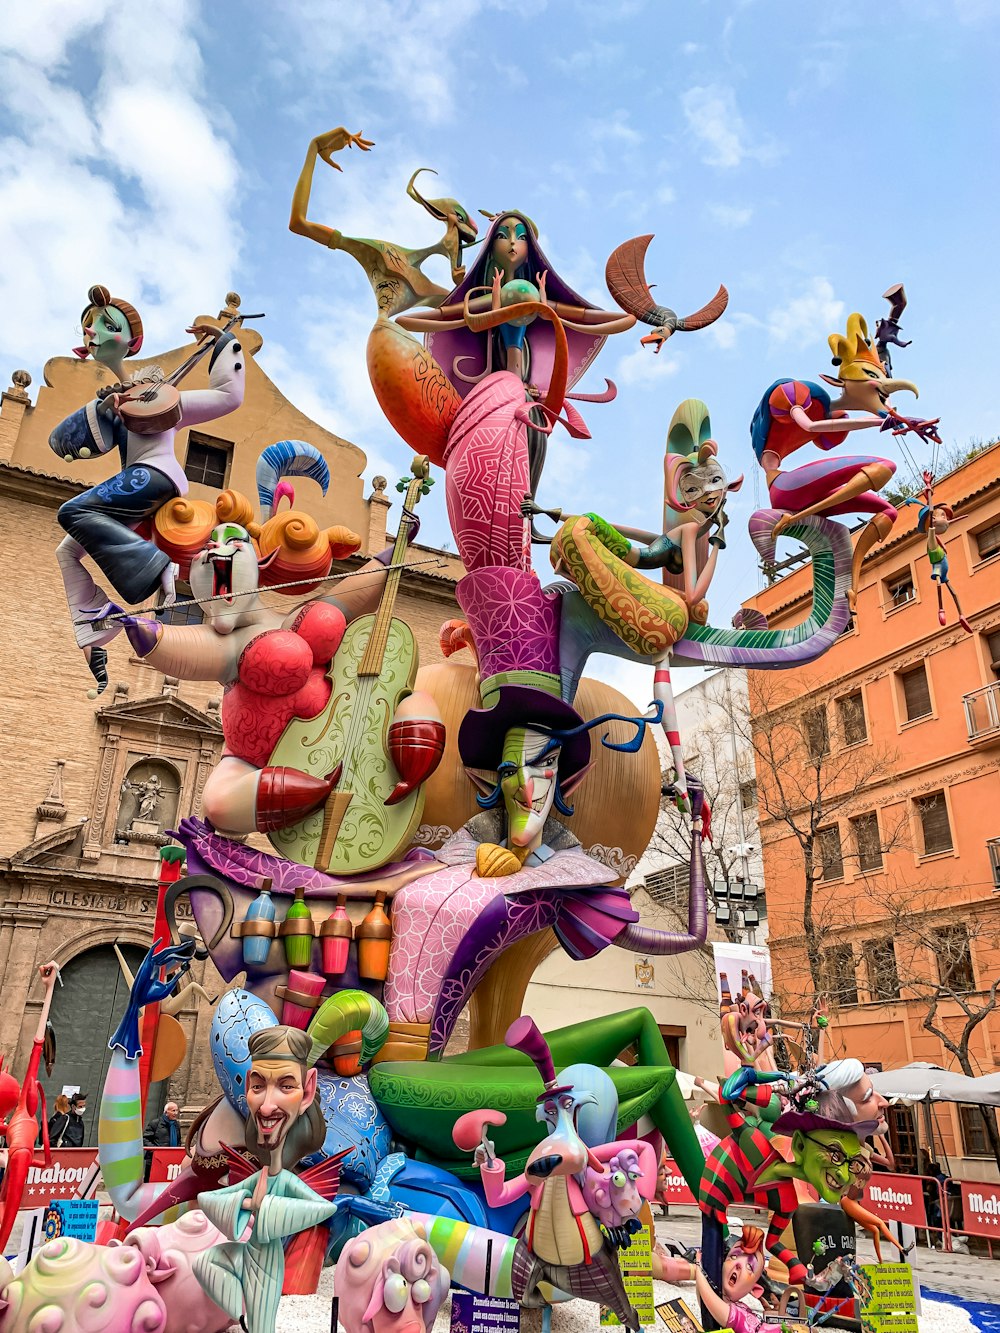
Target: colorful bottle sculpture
(374,936)
(258,929)
(336,934)
(297,931)
(300,997)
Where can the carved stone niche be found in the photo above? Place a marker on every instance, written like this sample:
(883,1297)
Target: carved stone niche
(158,747)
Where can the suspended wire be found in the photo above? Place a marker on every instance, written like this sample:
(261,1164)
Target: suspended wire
(310,582)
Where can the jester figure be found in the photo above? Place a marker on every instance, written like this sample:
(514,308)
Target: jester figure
(933,520)
(793,413)
(747,1167)
(565,1245)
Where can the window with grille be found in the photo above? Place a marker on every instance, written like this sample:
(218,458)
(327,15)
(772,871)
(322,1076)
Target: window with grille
(992,641)
(899,590)
(851,710)
(668,887)
(830,853)
(207,460)
(954,959)
(817,732)
(867,841)
(934,823)
(880,964)
(916,692)
(748,795)
(988,541)
(180,615)
(975,1142)
(840,980)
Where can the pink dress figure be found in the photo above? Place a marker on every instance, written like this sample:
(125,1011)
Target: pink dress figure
(741,1274)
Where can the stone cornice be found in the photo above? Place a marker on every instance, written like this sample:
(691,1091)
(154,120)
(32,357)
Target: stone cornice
(40,488)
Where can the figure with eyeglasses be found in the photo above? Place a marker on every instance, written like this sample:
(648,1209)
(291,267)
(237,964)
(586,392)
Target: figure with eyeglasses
(747,1167)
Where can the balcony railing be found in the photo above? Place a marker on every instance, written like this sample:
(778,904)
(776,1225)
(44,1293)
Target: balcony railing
(993,847)
(982,712)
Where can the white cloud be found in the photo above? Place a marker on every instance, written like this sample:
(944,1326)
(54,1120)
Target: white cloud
(714,120)
(404,49)
(633,679)
(616,129)
(808,316)
(132,186)
(730,215)
(643,367)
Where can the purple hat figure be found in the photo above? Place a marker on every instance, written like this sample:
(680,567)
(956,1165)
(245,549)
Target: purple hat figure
(515,626)
(523,1035)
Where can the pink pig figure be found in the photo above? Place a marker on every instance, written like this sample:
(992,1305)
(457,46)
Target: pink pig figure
(168,1251)
(389,1280)
(613,1195)
(72,1286)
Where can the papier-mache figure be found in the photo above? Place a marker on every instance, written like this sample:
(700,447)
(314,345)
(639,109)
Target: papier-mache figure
(244,1276)
(565,1245)
(742,1271)
(103,522)
(748,1167)
(21,1130)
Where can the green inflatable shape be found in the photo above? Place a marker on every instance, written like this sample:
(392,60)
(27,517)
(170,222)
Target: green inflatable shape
(422,1100)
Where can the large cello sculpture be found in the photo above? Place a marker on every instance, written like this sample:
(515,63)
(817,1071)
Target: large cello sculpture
(385,737)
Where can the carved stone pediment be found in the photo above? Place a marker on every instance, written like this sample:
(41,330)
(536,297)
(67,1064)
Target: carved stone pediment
(160,710)
(51,849)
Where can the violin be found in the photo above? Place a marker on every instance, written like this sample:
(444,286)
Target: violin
(151,408)
(363,825)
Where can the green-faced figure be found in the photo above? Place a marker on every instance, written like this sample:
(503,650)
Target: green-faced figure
(112,330)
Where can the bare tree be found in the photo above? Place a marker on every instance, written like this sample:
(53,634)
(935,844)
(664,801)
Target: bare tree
(811,773)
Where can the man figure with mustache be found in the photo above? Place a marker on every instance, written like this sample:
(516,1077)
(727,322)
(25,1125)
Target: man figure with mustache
(245,1275)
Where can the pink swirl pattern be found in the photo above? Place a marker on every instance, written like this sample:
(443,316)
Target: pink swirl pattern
(514,622)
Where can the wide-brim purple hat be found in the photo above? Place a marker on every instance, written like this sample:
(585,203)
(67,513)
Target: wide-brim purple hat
(789,1121)
(481,735)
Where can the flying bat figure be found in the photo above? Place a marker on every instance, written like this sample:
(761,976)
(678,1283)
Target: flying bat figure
(625,275)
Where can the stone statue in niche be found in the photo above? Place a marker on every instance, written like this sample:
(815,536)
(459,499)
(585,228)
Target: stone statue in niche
(149,796)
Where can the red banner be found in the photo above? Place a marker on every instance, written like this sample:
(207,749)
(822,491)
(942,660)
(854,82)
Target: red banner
(981,1208)
(671,1187)
(166,1164)
(896,1198)
(66,1178)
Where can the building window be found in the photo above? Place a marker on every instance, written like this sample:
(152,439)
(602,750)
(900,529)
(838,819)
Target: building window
(992,643)
(934,823)
(830,853)
(669,887)
(880,964)
(916,692)
(988,541)
(899,590)
(851,710)
(748,795)
(180,615)
(817,732)
(867,841)
(207,460)
(954,959)
(975,1142)
(840,980)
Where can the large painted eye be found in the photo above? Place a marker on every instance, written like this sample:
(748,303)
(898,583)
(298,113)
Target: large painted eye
(618,1179)
(421,1291)
(395,1294)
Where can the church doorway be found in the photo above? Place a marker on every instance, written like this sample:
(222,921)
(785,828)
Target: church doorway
(86,1009)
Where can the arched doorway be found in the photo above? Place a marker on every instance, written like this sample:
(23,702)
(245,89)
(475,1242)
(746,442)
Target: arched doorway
(86,1009)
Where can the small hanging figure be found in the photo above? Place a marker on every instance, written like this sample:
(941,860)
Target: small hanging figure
(934,521)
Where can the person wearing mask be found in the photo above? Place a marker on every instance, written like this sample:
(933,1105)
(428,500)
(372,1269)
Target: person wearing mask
(162,1131)
(75,1134)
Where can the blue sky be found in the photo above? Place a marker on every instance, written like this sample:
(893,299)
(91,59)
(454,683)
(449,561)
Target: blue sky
(807,159)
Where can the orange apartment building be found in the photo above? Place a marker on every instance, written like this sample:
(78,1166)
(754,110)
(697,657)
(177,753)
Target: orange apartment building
(900,724)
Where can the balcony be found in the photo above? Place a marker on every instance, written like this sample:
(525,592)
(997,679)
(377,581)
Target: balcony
(982,713)
(993,847)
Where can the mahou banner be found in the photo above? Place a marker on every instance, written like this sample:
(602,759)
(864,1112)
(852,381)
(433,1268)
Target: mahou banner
(981,1209)
(71,1176)
(671,1187)
(166,1165)
(896,1198)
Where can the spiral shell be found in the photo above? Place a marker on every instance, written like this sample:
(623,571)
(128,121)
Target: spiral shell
(493,862)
